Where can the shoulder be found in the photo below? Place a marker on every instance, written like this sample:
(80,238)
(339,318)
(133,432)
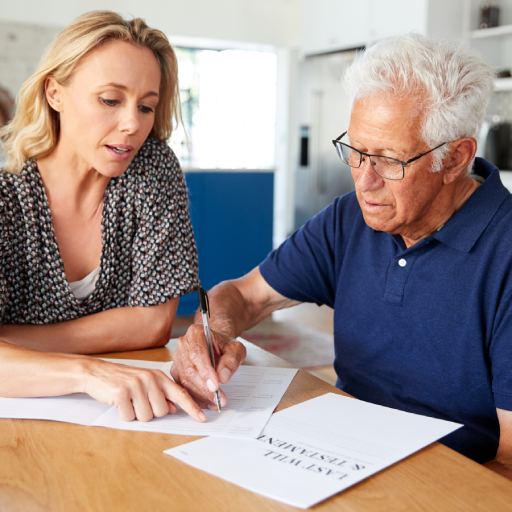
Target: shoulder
(156,150)
(155,170)
(328,228)
(154,180)
(156,156)
(342,215)
(347,205)
(10,179)
(6,180)
(17,187)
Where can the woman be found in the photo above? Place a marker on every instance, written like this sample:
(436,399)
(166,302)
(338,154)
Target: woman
(97,242)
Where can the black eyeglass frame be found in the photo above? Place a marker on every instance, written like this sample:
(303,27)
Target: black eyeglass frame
(403,163)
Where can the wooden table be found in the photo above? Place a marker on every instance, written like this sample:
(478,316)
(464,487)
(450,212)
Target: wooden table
(51,466)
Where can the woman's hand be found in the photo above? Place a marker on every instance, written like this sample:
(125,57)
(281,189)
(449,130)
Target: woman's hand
(137,393)
(192,367)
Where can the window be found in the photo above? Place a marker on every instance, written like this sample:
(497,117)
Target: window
(228,100)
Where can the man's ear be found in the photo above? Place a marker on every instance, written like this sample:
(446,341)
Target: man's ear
(456,161)
(53,92)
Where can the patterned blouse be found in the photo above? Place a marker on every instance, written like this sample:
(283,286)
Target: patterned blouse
(148,253)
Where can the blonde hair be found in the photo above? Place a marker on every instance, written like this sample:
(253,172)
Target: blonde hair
(34,130)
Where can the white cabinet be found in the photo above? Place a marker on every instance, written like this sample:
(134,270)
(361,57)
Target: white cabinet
(333,25)
(329,25)
(394,17)
(494,44)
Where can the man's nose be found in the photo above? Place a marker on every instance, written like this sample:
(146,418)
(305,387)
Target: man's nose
(366,177)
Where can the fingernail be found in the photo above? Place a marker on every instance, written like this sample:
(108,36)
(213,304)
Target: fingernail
(202,416)
(211,386)
(225,375)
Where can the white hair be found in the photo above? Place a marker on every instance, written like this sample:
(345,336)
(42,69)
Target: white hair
(454,84)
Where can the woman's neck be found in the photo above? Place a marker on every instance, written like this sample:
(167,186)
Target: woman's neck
(71,184)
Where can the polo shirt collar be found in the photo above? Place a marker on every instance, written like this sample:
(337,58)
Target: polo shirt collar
(464,228)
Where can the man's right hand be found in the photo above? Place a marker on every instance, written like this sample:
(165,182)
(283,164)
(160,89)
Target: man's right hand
(193,370)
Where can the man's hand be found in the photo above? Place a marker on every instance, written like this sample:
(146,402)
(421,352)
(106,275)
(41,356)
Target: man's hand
(192,367)
(235,306)
(137,393)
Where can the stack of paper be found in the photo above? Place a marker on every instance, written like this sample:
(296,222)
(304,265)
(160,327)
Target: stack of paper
(253,393)
(315,449)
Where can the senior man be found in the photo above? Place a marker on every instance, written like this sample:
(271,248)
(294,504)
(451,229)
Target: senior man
(417,263)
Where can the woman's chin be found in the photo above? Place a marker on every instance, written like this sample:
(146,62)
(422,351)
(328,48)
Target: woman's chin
(113,171)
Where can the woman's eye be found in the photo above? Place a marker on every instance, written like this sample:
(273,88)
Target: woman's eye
(145,109)
(109,102)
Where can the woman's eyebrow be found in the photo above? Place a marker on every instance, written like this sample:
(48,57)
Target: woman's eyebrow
(124,88)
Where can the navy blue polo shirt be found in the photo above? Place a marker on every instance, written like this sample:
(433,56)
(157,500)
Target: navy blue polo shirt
(425,329)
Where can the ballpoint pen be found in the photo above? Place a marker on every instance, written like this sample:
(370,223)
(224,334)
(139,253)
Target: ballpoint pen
(205,314)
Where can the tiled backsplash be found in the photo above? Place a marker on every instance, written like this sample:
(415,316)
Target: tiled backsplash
(21,46)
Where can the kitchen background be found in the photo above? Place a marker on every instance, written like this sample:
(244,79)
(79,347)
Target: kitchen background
(261,97)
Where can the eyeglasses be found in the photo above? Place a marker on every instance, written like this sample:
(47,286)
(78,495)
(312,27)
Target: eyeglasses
(385,166)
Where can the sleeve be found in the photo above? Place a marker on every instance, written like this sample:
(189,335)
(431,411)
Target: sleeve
(3,295)
(3,243)
(303,267)
(501,355)
(164,255)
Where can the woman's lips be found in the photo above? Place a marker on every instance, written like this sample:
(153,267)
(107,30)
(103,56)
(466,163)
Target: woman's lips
(119,152)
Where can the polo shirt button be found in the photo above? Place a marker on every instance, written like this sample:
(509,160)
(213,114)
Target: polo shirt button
(402,262)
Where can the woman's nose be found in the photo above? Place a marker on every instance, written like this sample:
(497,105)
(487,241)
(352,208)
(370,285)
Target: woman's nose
(130,120)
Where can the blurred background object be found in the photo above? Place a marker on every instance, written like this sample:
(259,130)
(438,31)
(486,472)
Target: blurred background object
(6,113)
(6,106)
(489,15)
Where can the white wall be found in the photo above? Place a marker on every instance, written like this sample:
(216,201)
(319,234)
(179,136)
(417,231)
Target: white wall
(267,22)
(21,46)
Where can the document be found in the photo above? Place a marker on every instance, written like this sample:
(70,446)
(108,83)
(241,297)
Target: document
(315,449)
(253,393)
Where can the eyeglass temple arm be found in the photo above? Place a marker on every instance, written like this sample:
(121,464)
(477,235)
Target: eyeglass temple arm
(414,158)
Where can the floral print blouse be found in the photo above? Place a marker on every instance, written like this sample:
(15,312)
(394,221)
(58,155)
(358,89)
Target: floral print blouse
(148,253)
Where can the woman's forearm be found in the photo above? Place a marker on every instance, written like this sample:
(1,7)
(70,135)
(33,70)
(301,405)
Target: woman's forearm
(26,373)
(128,328)
(138,393)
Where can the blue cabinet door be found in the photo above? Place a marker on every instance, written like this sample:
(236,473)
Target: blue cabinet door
(232,216)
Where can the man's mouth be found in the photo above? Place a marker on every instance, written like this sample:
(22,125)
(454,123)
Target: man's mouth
(372,205)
